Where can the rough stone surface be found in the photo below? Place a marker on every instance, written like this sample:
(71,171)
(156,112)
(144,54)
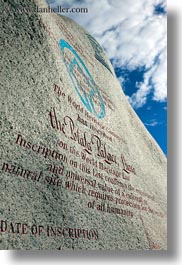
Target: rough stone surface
(78,169)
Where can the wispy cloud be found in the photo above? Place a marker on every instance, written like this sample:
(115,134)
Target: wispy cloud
(152,123)
(133,35)
(121,79)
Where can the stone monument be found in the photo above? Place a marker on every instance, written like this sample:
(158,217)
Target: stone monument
(78,169)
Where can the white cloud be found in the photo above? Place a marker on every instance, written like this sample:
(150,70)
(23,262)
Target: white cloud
(139,98)
(121,80)
(133,36)
(152,123)
(159,78)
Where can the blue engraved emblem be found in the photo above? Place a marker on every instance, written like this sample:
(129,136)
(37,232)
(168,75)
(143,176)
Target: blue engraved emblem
(82,80)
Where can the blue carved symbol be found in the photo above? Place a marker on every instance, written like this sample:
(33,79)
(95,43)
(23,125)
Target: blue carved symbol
(82,80)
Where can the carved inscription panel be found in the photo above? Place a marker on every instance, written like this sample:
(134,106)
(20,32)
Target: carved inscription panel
(78,170)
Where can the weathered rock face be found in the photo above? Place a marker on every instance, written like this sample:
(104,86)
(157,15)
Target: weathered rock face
(78,169)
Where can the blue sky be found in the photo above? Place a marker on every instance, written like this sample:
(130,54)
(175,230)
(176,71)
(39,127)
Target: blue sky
(134,36)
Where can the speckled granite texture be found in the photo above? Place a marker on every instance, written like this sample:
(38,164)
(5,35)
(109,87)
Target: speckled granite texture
(78,169)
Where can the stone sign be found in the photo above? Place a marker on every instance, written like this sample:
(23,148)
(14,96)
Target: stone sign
(78,169)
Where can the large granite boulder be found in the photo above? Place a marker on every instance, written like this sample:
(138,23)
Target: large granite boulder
(78,169)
